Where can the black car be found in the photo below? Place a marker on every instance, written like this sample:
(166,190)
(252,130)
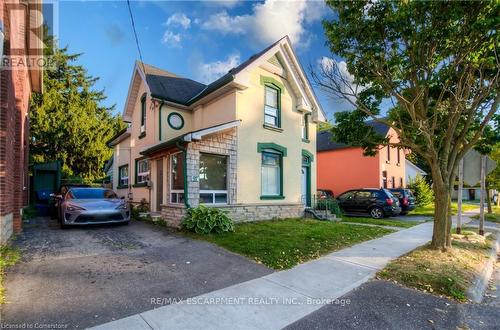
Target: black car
(378,203)
(324,194)
(406,199)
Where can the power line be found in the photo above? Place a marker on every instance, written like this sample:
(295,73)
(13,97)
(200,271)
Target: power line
(135,34)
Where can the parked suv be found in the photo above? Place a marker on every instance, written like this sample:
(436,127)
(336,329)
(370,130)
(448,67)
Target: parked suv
(406,199)
(378,203)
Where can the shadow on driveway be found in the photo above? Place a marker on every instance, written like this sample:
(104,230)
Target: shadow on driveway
(88,276)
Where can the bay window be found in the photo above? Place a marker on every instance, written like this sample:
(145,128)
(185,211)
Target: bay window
(213,179)
(177,178)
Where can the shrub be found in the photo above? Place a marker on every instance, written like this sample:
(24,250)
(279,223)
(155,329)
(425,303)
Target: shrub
(422,191)
(205,220)
(329,204)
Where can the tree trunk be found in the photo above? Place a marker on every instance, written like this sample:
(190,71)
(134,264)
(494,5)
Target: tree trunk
(441,236)
(488,197)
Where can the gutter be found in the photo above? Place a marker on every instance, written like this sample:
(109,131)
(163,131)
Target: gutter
(184,170)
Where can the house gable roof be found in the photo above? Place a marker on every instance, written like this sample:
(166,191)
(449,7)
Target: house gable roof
(324,138)
(185,92)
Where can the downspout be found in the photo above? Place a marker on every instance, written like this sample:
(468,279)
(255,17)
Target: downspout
(184,170)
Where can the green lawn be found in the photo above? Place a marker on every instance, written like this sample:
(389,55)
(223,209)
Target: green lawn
(381,222)
(428,210)
(282,244)
(493,217)
(8,257)
(448,273)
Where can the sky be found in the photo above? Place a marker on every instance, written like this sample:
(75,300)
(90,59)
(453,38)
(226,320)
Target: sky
(197,40)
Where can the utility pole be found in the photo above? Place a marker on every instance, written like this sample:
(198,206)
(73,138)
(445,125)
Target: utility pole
(483,190)
(459,195)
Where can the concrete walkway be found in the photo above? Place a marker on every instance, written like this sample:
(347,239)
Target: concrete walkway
(279,299)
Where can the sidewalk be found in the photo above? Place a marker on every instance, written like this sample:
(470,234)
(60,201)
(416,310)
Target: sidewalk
(279,299)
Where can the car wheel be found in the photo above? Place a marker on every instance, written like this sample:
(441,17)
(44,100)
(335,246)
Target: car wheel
(377,213)
(403,213)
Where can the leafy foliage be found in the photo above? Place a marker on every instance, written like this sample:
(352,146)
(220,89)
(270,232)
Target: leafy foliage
(428,69)
(205,220)
(422,190)
(330,204)
(68,121)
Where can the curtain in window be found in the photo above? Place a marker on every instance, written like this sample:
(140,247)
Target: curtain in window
(270,174)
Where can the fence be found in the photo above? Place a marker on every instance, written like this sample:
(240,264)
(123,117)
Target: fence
(324,208)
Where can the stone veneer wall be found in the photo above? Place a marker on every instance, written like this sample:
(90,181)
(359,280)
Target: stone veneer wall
(173,215)
(224,143)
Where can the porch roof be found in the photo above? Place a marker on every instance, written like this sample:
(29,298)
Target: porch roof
(189,137)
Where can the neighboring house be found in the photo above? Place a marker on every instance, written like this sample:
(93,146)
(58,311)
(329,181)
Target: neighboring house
(412,171)
(342,167)
(244,143)
(16,85)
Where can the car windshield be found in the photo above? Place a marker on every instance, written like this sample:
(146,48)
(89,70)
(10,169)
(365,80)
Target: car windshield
(389,193)
(91,193)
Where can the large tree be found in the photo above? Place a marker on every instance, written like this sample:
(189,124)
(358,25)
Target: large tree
(68,121)
(428,69)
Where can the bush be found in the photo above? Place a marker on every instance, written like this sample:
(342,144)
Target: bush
(329,204)
(205,220)
(422,191)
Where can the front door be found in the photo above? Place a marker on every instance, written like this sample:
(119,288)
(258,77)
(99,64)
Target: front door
(159,184)
(306,197)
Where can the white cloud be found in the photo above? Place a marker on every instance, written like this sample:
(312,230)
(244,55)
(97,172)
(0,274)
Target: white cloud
(171,39)
(270,20)
(179,19)
(226,24)
(208,72)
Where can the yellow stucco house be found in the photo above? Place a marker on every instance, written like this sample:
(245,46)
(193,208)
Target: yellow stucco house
(245,142)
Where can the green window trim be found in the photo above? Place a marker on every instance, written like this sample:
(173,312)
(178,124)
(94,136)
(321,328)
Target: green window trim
(123,186)
(159,121)
(282,151)
(279,90)
(143,109)
(264,197)
(178,114)
(139,184)
(272,82)
(308,154)
(261,146)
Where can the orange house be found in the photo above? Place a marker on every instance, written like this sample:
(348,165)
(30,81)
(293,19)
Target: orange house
(342,167)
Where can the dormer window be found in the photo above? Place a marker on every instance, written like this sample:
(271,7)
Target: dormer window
(143,116)
(272,106)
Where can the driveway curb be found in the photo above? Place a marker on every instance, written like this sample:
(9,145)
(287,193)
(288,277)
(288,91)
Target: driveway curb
(478,288)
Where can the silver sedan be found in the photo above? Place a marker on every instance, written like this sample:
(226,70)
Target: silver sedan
(83,206)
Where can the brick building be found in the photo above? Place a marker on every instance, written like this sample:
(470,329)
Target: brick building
(17,82)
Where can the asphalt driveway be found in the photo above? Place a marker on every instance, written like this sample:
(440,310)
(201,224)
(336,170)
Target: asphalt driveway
(87,276)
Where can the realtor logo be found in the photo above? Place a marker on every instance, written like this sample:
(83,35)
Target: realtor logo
(25,27)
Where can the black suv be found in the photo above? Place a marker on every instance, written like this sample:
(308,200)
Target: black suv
(378,203)
(406,199)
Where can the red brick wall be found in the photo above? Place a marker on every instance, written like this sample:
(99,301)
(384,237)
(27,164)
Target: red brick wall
(15,92)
